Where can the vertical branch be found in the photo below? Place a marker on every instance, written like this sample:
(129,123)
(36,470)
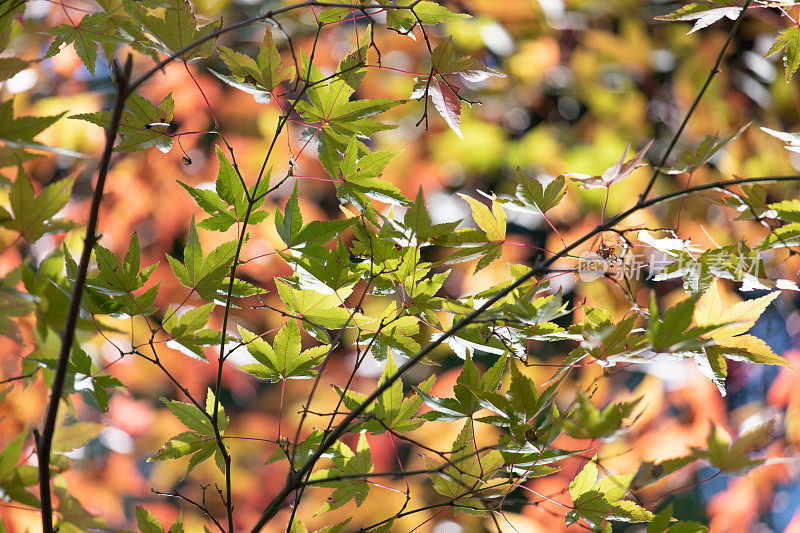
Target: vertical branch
(45,440)
(711,73)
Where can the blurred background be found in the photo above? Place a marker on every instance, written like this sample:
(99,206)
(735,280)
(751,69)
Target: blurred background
(582,80)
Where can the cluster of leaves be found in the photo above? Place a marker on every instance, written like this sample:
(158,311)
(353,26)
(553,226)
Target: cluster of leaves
(385,254)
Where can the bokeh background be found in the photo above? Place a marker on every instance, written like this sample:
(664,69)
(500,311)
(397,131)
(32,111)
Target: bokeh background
(583,80)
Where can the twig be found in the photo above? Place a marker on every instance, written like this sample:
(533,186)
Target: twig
(713,72)
(16,378)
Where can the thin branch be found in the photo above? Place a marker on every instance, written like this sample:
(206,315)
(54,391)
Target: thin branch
(17,378)
(713,72)
(201,506)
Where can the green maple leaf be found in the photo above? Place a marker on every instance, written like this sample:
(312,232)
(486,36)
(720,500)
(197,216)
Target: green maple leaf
(598,502)
(299,527)
(734,457)
(396,335)
(10,66)
(532,195)
(318,265)
(785,236)
(142,124)
(72,436)
(82,374)
(423,292)
(285,359)
(520,409)
(432,13)
(191,416)
(427,12)
(352,68)
(492,223)
(396,411)
(609,340)
(300,453)
(92,31)
(7,17)
(180,445)
(16,134)
(258,76)
(650,472)
(729,338)
(333,14)
(472,391)
(228,203)
(400,20)
(588,422)
(417,218)
(305,237)
(200,447)
(15,477)
(691,160)
(789,41)
(149,524)
(671,332)
(347,464)
(317,310)
(201,440)
(339,119)
(13,303)
(392,411)
(119,280)
(188,335)
(787,210)
(204,274)
(33,215)
(663,522)
(175,27)
(469,472)
(360,178)
(290,223)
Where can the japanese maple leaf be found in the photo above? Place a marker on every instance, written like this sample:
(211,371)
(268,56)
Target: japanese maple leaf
(93,30)
(443,94)
(704,14)
(613,174)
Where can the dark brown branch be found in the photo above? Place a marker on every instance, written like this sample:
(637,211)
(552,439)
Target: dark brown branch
(45,441)
(17,378)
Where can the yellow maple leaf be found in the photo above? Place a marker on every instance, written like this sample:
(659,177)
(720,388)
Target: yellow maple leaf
(737,318)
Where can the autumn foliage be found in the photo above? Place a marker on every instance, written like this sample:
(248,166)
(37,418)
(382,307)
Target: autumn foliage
(398,265)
